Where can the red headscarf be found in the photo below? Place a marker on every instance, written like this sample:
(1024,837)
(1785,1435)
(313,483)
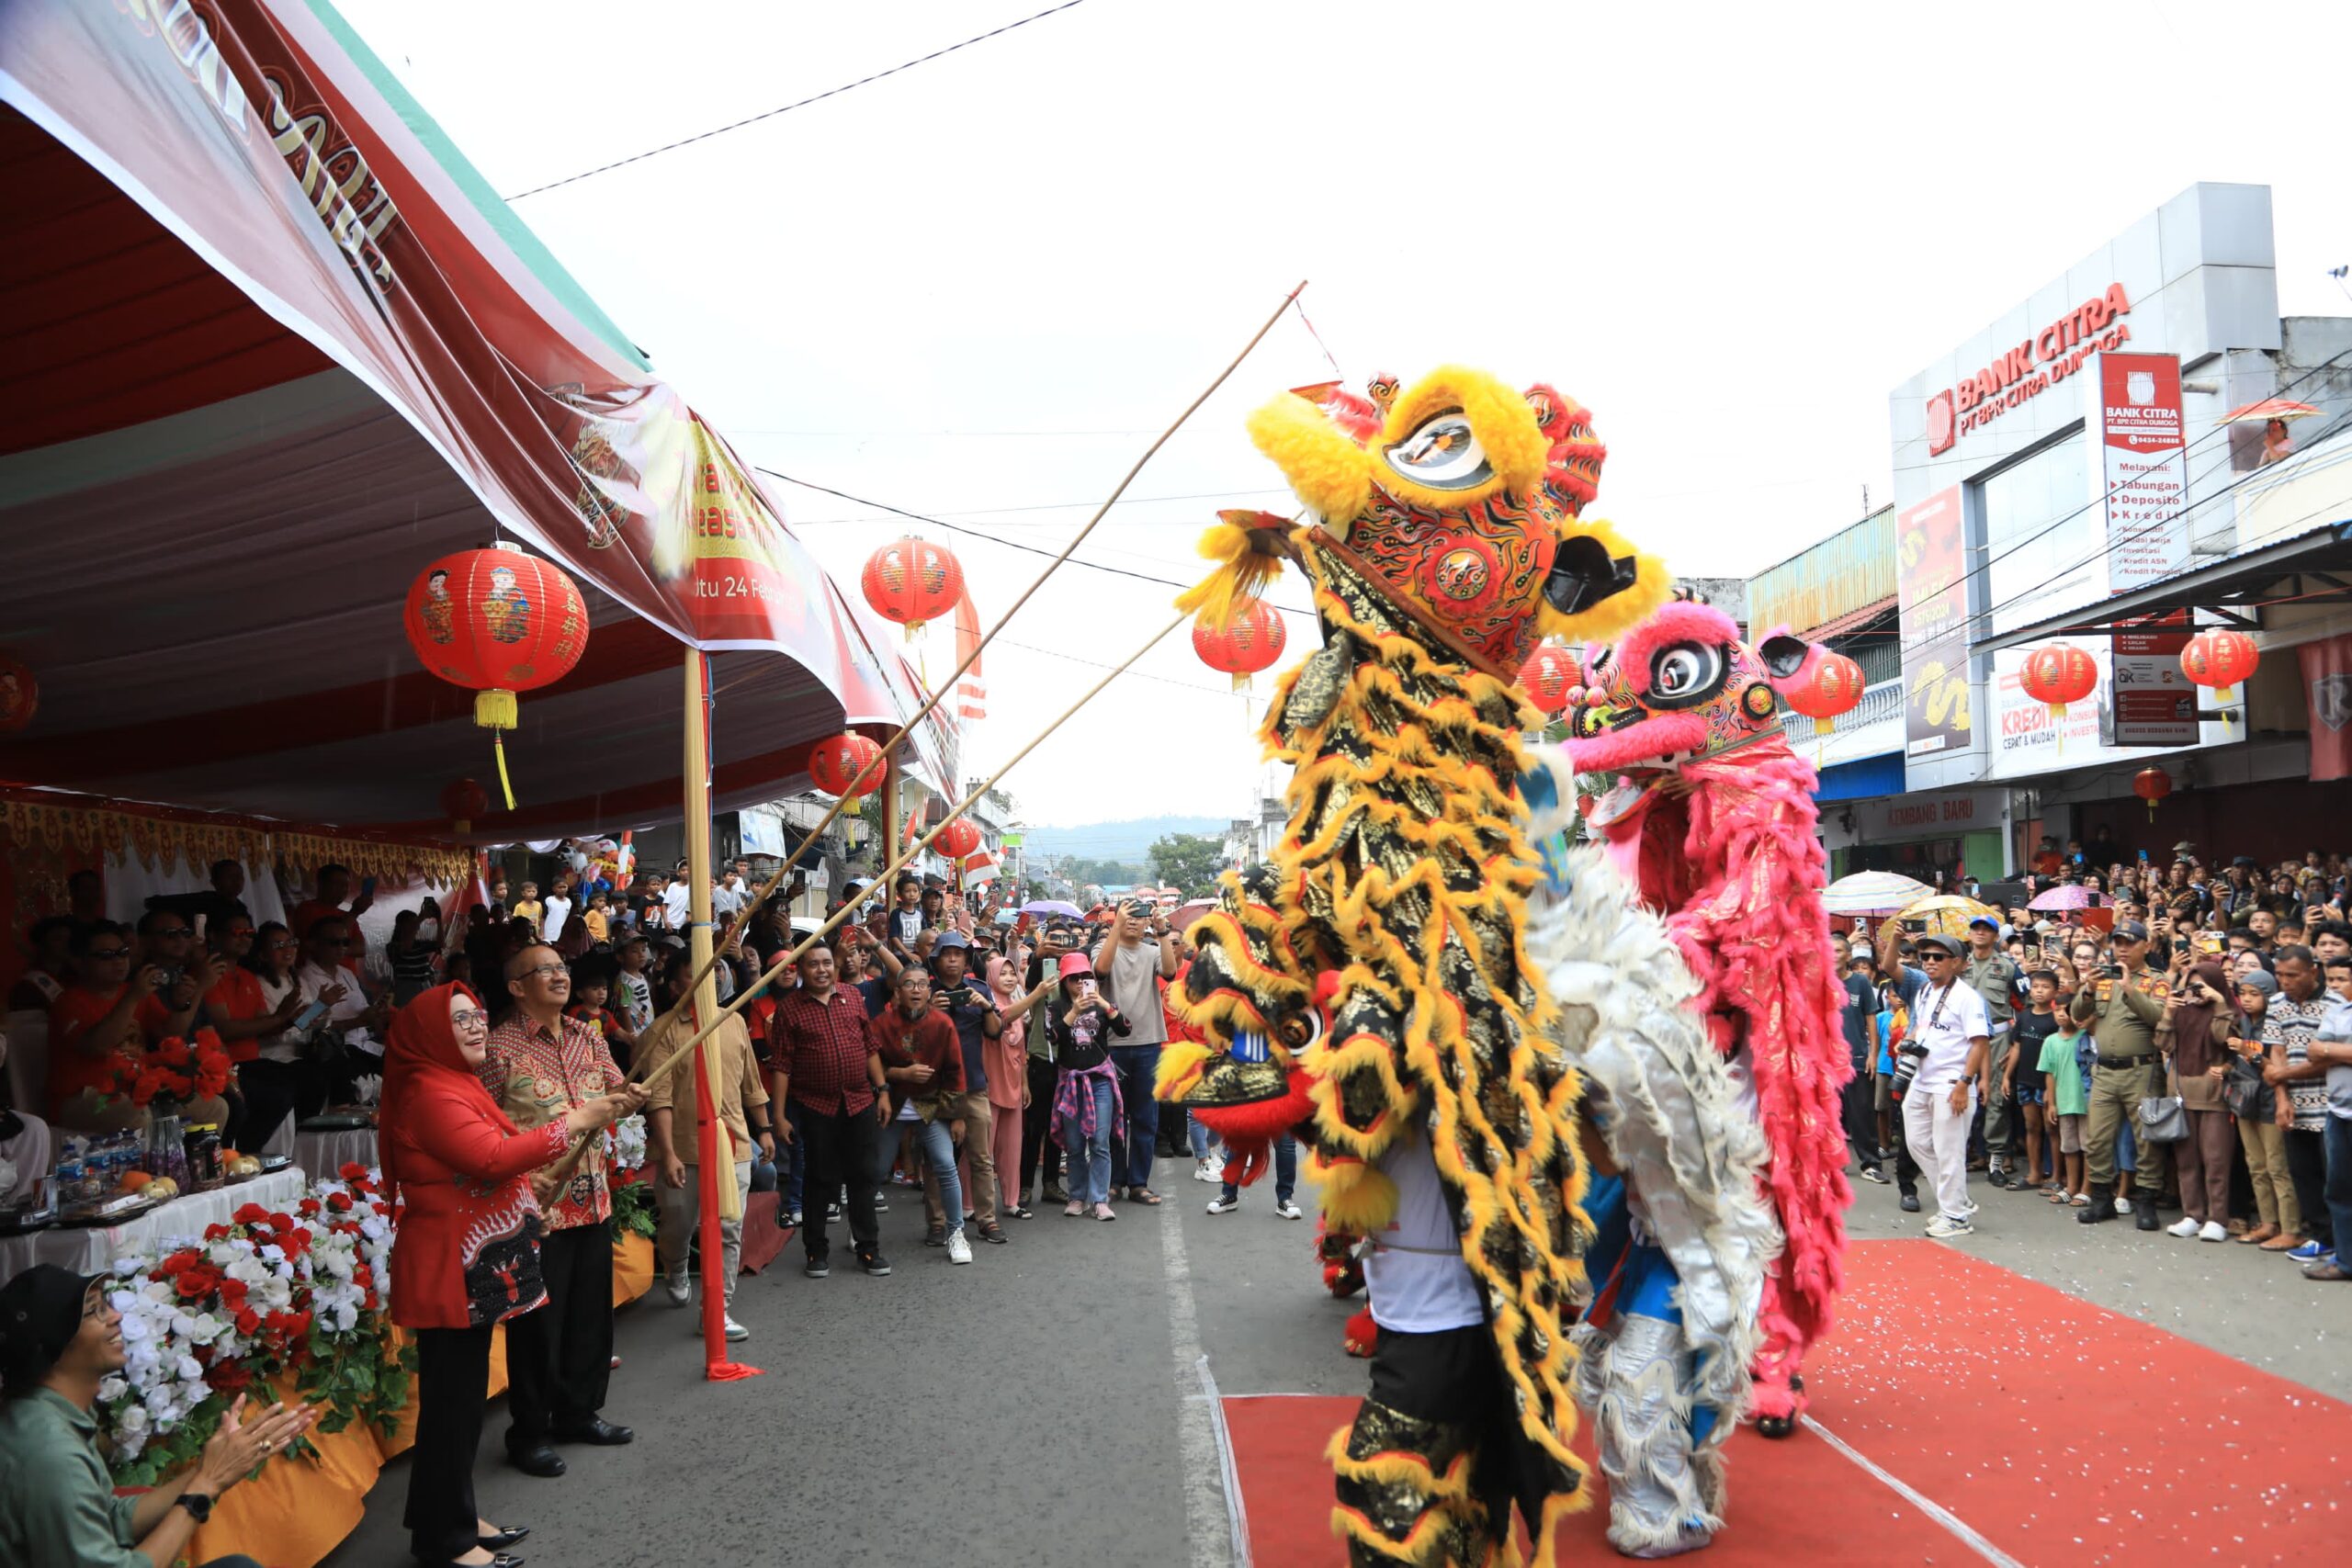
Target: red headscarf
(424,1047)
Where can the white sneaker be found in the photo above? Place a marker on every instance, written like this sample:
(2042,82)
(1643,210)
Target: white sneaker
(678,1287)
(1221,1204)
(2213,1230)
(2184,1227)
(958,1249)
(1971,1210)
(736,1331)
(1944,1226)
(1286,1210)
(1207,1170)
(2123,1205)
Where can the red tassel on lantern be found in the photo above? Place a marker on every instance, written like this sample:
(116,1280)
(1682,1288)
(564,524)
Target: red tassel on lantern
(497,622)
(1251,641)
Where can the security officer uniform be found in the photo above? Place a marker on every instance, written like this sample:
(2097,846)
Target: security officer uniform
(2122,1016)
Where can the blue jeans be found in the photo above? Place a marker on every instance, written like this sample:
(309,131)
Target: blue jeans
(1285,1172)
(1200,1137)
(2339,1181)
(793,1170)
(1137,1066)
(938,1148)
(1088,1180)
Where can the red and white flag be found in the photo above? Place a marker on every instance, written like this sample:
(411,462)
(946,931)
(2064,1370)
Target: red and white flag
(972,690)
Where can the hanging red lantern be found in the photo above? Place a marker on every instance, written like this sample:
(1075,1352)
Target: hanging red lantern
(911,580)
(498,622)
(1834,687)
(1251,641)
(2058,674)
(464,802)
(2222,658)
(2152,784)
(848,765)
(19,694)
(1547,675)
(955,840)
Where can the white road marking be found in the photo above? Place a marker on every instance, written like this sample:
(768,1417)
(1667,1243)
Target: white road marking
(1212,1495)
(1926,1504)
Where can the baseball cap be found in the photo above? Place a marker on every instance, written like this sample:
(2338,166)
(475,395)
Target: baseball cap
(2130,930)
(1983,921)
(40,1311)
(949,937)
(2186,846)
(1927,940)
(1075,963)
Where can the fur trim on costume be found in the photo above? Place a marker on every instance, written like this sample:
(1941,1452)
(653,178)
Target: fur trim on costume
(1325,469)
(1250,547)
(1360,1336)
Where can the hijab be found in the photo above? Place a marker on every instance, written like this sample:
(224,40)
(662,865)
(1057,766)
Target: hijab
(423,1056)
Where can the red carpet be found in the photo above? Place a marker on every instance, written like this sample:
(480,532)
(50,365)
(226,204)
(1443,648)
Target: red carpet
(2059,1432)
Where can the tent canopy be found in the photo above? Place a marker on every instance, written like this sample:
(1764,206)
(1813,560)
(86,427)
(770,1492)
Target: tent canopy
(266,358)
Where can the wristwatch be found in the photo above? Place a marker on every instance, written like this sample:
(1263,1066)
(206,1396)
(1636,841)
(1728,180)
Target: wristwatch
(198,1504)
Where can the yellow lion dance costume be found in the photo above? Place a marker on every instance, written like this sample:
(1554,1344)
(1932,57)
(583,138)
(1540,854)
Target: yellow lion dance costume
(1446,540)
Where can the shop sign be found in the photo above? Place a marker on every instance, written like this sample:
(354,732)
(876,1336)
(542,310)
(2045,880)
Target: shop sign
(2154,703)
(2032,368)
(2141,484)
(1939,816)
(2026,739)
(1932,593)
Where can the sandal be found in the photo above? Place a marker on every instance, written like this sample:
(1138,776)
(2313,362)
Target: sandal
(1143,1195)
(2259,1234)
(1019,1212)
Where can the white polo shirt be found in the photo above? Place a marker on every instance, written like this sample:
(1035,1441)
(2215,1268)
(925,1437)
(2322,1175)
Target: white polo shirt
(1945,1019)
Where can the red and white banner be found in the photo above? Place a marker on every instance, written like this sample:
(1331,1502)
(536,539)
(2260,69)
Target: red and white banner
(2141,484)
(2327,692)
(2154,703)
(972,689)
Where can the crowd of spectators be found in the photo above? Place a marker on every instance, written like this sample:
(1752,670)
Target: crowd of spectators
(2179,1040)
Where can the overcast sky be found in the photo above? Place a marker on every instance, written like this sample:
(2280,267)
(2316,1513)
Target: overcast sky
(978,288)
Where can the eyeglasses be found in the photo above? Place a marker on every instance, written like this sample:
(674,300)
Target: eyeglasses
(543,970)
(470,1018)
(174,930)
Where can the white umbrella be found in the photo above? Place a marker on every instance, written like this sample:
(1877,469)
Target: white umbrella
(1872,893)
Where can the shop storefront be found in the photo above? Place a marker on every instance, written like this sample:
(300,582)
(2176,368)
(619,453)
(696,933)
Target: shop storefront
(1951,832)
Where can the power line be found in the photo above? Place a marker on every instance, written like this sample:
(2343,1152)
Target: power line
(804,102)
(993,540)
(1041,506)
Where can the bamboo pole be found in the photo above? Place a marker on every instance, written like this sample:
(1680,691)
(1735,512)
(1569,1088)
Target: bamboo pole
(710,1138)
(890,779)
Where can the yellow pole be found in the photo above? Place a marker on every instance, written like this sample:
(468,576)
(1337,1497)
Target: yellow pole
(713,1139)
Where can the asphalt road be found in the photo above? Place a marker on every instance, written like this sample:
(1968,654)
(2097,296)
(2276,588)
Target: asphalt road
(1043,1403)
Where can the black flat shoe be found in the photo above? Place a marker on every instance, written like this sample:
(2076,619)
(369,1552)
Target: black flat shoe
(505,1538)
(540,1459)
(596,1430)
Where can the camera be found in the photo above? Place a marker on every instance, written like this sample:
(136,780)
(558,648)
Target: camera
(1907,1057)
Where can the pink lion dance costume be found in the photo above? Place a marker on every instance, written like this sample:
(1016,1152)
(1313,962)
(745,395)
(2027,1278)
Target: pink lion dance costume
(1712,817)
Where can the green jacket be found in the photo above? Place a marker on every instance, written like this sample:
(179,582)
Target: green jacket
(57,1502)
(2122,1016)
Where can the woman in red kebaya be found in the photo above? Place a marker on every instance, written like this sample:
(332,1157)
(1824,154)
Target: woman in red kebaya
(466,1257)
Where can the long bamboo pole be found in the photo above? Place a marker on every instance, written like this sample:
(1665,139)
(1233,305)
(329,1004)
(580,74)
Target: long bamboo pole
(709,1135)
(742,919)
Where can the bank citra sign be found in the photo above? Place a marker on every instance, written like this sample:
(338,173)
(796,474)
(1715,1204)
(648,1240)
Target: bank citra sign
(2032,368)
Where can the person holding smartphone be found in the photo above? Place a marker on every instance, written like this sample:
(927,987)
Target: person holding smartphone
(1082,1024)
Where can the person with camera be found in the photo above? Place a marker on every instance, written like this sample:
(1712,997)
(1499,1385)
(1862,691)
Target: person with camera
(1941,1071)
(2195,1036)
(922,1062)
(1138,952)
(2121,1003)
(1082,1022)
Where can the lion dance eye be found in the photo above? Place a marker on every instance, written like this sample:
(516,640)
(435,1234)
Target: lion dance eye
(1684,674)
(1442,454)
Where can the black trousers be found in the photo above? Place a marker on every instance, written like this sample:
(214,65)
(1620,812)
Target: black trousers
(273,1090)
(1856,1101)
(1454,1376)
(841,1154)
(564,1386)
(1038,1148)
(2307,1168)
(452,1388)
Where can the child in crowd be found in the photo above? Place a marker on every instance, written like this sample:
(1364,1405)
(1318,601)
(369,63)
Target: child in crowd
(528,907)
(2022,1077)
(590,990)
(2067,1097)
(598,918)
(1889,1029)
(632,990)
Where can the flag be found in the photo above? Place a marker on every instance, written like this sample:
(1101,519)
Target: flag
(972,690)
(2327,694)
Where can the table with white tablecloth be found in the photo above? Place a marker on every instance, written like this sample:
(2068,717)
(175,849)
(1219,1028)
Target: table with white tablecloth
(326,1152)
(88,1249)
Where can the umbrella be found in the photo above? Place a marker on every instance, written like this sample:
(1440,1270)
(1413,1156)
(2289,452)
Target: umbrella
(2065,896)
(2266,411)
(1052,907)
(1946,914)
(1186,914)
(1872,893)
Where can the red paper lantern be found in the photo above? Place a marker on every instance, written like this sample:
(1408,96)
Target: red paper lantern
(19,694)
(959,839)
(1836,686)
(848,765)
(497,622)
(1251,641)
(1546,676)
(911,580)
(2152,784)
(464,802)
(2220,659)
(2058,674)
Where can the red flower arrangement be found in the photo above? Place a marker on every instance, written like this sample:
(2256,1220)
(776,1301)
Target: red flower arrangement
(175,1069)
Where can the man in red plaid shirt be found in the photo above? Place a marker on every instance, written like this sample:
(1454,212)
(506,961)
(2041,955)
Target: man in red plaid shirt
(823,1067)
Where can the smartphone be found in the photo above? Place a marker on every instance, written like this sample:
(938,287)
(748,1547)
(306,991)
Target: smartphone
(1084,987)
(308,1018)
(2210,942)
